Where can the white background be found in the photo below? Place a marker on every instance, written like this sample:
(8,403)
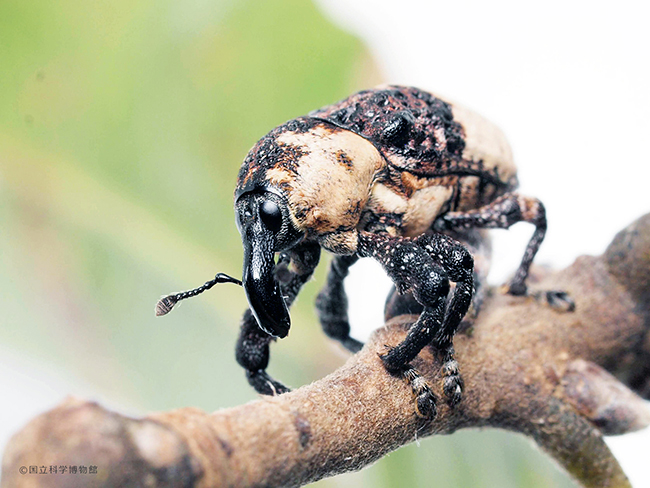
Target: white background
(568,83)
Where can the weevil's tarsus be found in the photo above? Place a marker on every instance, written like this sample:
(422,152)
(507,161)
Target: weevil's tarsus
(165,304)
(558,300)
(425,400)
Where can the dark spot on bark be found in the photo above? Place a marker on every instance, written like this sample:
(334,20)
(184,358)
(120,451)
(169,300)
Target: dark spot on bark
(303,428)
(227,448)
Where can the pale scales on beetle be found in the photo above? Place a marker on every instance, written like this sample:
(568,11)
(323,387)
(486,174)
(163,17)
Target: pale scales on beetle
(381,174)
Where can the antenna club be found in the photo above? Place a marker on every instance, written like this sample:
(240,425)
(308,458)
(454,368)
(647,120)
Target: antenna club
(165,305)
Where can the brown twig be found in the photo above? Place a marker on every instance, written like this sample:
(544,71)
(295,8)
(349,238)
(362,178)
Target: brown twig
(527,368)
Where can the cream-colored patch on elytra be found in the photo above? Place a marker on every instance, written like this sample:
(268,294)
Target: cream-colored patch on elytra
(485,141)
(423,208)
(468,193)
(385,200)
(329,193)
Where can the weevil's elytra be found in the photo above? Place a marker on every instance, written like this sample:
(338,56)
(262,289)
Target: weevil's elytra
(388,173)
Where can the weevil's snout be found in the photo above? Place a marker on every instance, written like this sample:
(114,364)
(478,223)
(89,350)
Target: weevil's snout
(262,219)
(263,291)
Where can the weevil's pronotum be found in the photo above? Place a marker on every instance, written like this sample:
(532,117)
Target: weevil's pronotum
(387,173)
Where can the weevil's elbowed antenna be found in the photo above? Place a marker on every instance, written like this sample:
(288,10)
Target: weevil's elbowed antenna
(165,304)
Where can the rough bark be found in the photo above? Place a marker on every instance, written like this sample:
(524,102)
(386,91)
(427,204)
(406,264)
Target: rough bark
(564,379)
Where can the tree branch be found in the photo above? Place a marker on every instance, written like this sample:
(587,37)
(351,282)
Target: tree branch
(527,368)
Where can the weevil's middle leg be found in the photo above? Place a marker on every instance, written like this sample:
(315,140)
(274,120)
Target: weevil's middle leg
(332,303)
(502,213)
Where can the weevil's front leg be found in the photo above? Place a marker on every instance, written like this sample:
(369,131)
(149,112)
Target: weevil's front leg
(476,242)
(252,351)
(501,214)
(414,265)
(332,303)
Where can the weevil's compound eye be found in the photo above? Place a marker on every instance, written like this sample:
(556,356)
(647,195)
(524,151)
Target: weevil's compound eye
(271,215)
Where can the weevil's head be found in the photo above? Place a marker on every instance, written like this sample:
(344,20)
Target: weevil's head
(305,179)
(265,225)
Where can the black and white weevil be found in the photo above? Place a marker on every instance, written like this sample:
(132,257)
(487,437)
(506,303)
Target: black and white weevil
(381,174)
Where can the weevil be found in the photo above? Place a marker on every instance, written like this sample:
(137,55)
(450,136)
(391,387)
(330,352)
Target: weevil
(386,173)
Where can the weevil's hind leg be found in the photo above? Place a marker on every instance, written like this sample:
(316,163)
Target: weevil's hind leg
(252,351)
(332,304)
(505,211)
(556,299)
(502,213)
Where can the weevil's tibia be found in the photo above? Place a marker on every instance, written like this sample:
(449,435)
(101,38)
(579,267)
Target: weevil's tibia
(165,304)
